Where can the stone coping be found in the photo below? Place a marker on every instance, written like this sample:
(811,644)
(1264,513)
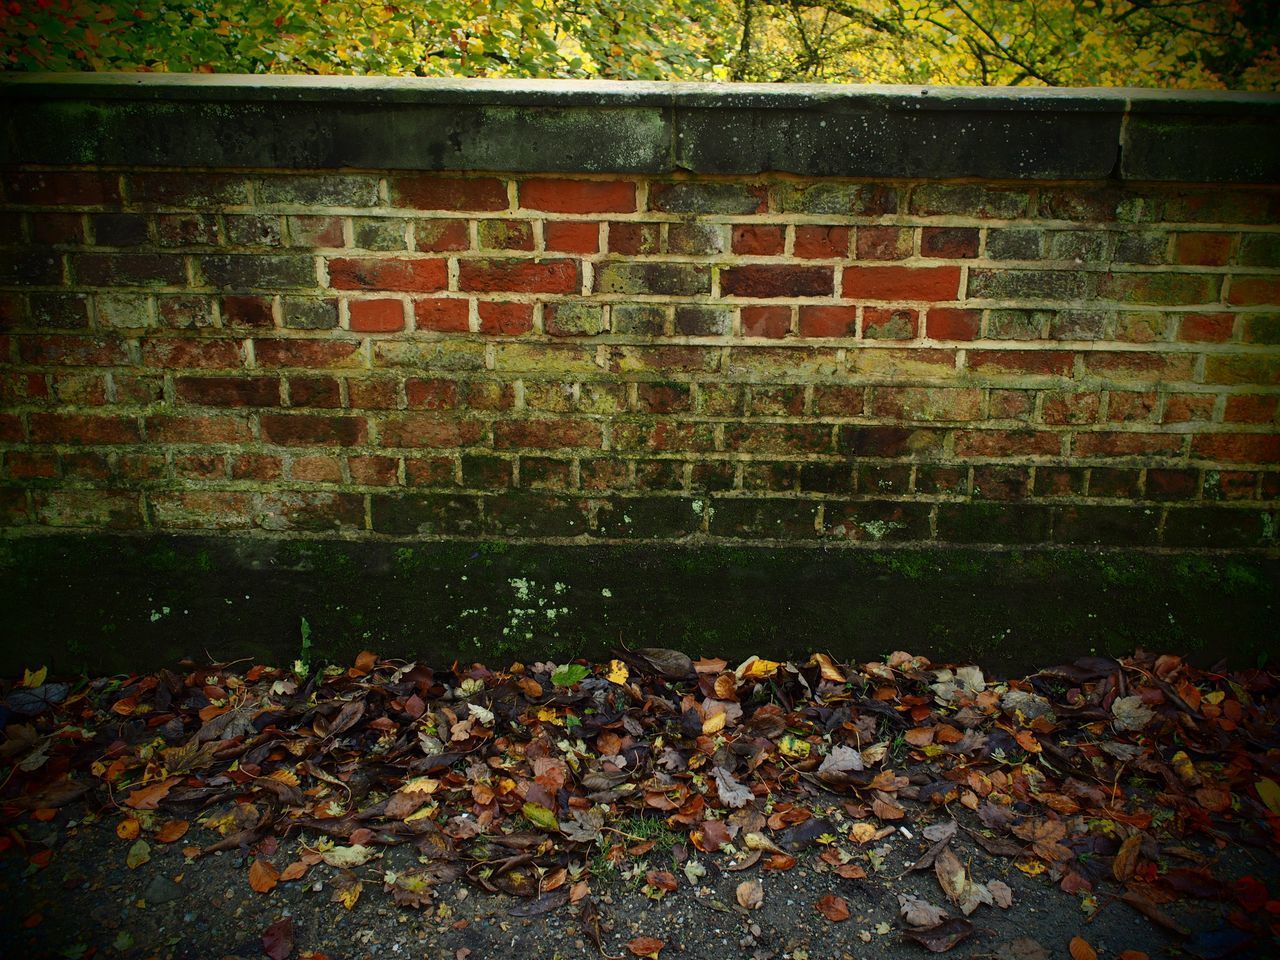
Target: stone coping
(560,126)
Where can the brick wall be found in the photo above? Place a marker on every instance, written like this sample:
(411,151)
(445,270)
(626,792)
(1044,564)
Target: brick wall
(640,357)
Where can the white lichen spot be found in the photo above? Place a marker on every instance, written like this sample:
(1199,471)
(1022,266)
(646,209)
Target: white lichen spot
(606,592)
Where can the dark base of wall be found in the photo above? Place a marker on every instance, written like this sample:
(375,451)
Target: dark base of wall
(116,604)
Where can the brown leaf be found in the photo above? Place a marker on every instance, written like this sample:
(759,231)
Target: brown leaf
(851,871)
(833,908)
(780,861)
(1126,861)
(951,874)
(263,876)
(943,937)
(645,946)
(750,894)
(662,880)
(294,871)
(1153,913)
(1080,949)
(149,797)
(172,831)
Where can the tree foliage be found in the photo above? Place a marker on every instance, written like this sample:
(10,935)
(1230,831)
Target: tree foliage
(1163,43)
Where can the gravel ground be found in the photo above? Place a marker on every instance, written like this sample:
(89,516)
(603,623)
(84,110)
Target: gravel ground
(86,902)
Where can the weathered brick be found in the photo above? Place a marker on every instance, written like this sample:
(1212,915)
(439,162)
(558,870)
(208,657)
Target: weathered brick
(314,392)
(1078,325)
(254,231)
(702,321)
(504,234)
(932,199)
(1230,485)
(306,354)
(388,273)
(889,323)
(1219,205)
(1175,289)
(314,511)
(1256,328)
(943,323)
(1017,324)
(1142,246)
(1094,204)
(520,276)
(981,522)
(872,521)
(317,231)
(843,199)
(1048,363)
(118,229)
(121,269)
(1009,244)
(1063,407)
(765,475)
(890,441)
(1026,284)
(62,187)
(1007,443)
(706,197)
(81,429)
(311,430)
(902,283)
(197,429)
(258,271)
(309,313)
(378,233)
(316,469)
(1184,407)
(546,434)
(1216,526)
(1259,250)
(578,196)
(647,319)
(777,438)
(441,235)
(764,519)
(1172,483)
(1203,249)
(763,240)
(247,311)
(1134,365)
(665,279)
(1251,291)
(771,322)
(1237,447)
(1113,444)
(187,353)
(521,513)
(883,243)
(927,403)
(100,509)
(903,363)
(317,190)
(951,243)
(425,191)
(428,430)
(1106,525)
(123,311)
(662,435)
(634,238)
(196,191)
(545,473)
(1001,483)
(1241,368)
(441,314)
(1129,406)
(1251,408)
(573,319)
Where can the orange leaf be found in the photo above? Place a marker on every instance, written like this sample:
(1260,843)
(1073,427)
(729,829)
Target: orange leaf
(645,946)
(365,662)
(780,861)
(1133,955)
(42,858)
(851,871)
(128,829)
(919,736)
(147,798)
(1027,741)
(294,871)
(263,876)
(173,831)
(1126,861)
(44,814)
(1080,950)
(833,908)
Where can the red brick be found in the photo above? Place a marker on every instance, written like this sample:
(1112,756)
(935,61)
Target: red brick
(10,427)
(373,393)
(773,322)
(927,403)
(1251,408)
(315,392)
(1248,369)
(316,231)
(1011,362)
(1170,484)
(902,283)
(57,227)
(303,430)
(952,243)
(578,196)
(1135,365)
(1182,407)
(1011,404)
(229,391)
(88,466)
(306,353)
(751,239)
(142,467)
(420,430)
(389,273)
(372,471)
(434,472)
(780,280)
(505,318)
(376,316)
(1230,484)
(256,466)
(316,469)
(443,315)
(908,441)
(943,323)
(1206,327)
(247,311)
(1106,444)
(111,509)
(546,434)
(825,321)
(1249,291)
(777,438)
(1203,249)
(664,397)
(171,429)
(428,192)
(70,351)
(634,238)
(571,236)
(821,243)
(882,323)
(1237,447)
(1126,406)
(1007,443)
(1062,407)
(432,394)
(883,243)
(23,465)
(72,428)
(520,276)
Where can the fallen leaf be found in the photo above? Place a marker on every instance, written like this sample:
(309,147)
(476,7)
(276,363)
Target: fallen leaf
(1130,713)
(263,876)
(1001,894)
(277,939)
(1126,860)
(347,857)
(128,829)
(138,854)
(149,797)
(833,908)
(919,913)
(1080,950)
(732,793)
(941,938)
(645,946)
(346,889)
(951,874)
(293,871)
(172,831)
(750,894)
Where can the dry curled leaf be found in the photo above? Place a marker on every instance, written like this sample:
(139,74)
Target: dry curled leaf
(645,946)
(750,894)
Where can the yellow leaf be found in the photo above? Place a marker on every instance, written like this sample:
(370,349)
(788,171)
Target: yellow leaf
(420,785)
(1185,769)
(138,854)
(827,668)
(546,713)
(35,679)
(1032,868)
(618,672)
(863,832)
(1269,792)
(1215,698)
(757,669)
(715,723)
(348,893)
(793,747)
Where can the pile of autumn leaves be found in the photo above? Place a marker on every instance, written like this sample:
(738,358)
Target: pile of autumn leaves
(509,780)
